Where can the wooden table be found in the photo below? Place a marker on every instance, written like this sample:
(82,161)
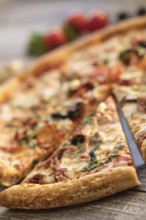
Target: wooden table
(17,21)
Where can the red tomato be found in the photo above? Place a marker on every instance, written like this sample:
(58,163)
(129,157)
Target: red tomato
(98,20)
(127,159)
(78,21)
(100,74)
(115,72)
(55,38)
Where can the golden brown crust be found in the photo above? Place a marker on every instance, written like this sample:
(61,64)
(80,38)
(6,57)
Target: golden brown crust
(57,57)
(73,192)
(8,176)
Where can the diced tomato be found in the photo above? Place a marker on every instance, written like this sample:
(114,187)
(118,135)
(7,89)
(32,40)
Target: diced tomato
(141,103)
(54,39)
(125,158)
(11,149)
(115,72)
(137,38)
(100,74)
(98,20)
(78,21)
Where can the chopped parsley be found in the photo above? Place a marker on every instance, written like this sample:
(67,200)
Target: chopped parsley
(34,162)
(16,106)
(87,120)
(95,163)
(92,155)
(91,166)
(105,61)
(27,143)
(122,54)
(77,140)
(65,144)
(126,55)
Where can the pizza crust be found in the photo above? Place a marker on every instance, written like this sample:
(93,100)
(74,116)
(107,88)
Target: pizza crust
(8,176)
(88,188)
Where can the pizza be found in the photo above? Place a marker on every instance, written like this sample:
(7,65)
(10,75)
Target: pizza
(61,140)
(133,105)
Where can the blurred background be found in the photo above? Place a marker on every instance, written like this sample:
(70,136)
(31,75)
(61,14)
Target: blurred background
(20,18)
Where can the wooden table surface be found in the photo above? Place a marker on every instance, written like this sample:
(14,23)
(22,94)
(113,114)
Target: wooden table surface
(17,20)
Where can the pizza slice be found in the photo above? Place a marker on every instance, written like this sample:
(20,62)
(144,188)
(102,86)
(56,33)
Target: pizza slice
(93,163)
(133,104)
(120,59)
(34,122)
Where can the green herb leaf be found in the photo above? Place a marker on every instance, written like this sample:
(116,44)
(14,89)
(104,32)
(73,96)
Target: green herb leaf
(24,142)
(27,143)
(87,120)
(34,162)
(112,156)
(65,144)
(36,46)
(122,54)
(95,163)
(91,166)
(97,147)
(16,106)
(70,32)
(105,61)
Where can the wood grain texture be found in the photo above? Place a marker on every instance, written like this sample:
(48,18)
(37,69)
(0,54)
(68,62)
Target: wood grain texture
(128,205)
(17,21)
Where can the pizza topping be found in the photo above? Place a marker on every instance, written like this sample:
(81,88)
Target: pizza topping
(11,149)
(120,145)
(76,112)
(141,103)
(37,178)
(133,55)
(58,116)
(140,136)
(129,56)
(78,139)
(96,139)
(142,43)
(81,90)
(91,166)
(87,120)
(92,155)
(94,164)
(73,113)
(102,107)
(49,135)
(100,74)
(59,173)
(35,162)
(124,160)
(61,151)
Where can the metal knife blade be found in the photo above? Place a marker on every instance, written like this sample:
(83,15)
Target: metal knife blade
(137,158)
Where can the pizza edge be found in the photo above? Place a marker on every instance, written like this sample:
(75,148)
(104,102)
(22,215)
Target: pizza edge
(89,188)
(119,94)
(56,58)
(143,150)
